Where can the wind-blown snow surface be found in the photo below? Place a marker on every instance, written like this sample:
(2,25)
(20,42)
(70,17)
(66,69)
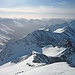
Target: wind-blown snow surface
(52,51)
(21,68)
(28,67)
(53,69)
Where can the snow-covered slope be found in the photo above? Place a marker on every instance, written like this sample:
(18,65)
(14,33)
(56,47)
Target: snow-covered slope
(22,68)
(54,27)
(18,28)
(22,27)
(5,34)
(35,64)
(52,51)
(20,57)
(36,58)
(53,69)
(60,30)
(36,41)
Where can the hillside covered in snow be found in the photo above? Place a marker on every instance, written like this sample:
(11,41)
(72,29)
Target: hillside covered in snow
(13,29)
(43,51)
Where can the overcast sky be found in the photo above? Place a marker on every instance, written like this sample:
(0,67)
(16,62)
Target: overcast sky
(37,8)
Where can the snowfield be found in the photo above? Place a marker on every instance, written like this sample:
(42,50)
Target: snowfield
(53,69)
(21,68)
(52,51)
(60,30)
(28,67)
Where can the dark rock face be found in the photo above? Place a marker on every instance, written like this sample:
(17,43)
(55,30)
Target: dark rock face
(39,58)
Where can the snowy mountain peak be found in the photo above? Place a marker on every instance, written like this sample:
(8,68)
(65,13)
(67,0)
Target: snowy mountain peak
(45,28)
(36,41)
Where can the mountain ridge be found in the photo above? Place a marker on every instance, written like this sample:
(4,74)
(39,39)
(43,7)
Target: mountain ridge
(36,40)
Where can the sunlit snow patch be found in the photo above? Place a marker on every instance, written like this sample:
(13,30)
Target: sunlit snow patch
(60,30)
(52,51)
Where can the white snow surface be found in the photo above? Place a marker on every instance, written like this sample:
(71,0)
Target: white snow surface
(13,69)
(4,38)
(5,31)
(21,68)
(52,51)
(59,30)
(53,69)
(45,28)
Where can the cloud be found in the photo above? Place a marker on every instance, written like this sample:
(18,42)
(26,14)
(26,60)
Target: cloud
(38,12)
(41,9)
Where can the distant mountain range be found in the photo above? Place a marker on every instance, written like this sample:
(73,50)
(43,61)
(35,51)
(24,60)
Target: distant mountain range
(14,29)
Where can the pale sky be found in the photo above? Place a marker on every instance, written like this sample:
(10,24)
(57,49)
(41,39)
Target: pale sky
(37,9)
